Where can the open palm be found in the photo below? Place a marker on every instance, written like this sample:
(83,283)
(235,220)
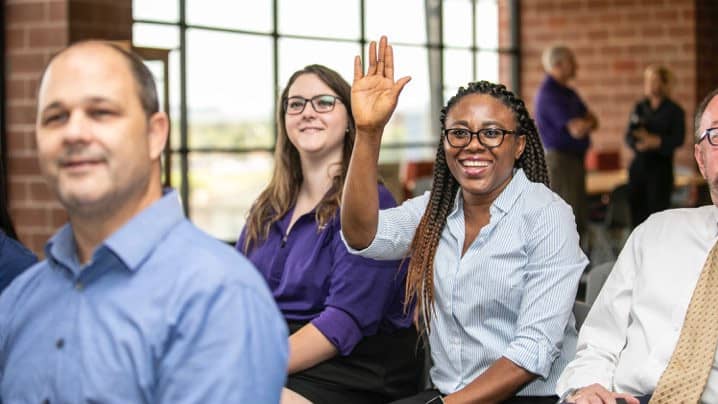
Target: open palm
(375,95)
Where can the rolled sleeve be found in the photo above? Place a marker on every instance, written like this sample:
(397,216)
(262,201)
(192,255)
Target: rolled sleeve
(536,356)
(556,263)
(339,328)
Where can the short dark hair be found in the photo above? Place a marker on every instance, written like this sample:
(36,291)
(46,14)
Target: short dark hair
(699,112)
(146,88)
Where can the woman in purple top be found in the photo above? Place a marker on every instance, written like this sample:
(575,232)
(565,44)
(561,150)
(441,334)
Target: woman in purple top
(351,341)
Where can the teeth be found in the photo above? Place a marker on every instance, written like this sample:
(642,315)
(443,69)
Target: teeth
(474,163)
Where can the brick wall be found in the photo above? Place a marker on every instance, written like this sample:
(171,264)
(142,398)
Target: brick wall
(614,40)
(35,29)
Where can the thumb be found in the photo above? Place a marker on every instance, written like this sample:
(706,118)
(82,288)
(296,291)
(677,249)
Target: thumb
(399,86)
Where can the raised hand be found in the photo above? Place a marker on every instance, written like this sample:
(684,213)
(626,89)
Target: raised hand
(375,94)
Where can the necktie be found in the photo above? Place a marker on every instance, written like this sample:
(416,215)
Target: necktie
(685,376)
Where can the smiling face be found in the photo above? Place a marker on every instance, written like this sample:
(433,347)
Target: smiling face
(316,135)
(95,144)
(482,173)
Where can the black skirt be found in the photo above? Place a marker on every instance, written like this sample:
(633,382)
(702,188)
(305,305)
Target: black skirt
(380,369)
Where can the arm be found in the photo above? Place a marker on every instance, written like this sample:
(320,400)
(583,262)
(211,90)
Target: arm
(227,345)
(603,334)
(500,381)
(374,98)
(676,133)
(308,347)
(582,126)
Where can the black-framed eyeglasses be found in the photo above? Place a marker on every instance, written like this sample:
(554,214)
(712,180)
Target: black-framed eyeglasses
(711,134)
(321,103)
(488,137)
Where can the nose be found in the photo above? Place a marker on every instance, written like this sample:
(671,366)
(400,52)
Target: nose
(474,143)
(77,128)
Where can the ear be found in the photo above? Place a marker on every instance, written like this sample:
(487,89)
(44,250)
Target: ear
(520,146)
(700,159)
(157,132)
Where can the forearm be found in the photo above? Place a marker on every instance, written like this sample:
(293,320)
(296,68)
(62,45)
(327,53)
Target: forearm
(499,382)
(360,200)
(308,347)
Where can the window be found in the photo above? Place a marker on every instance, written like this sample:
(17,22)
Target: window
(230,59)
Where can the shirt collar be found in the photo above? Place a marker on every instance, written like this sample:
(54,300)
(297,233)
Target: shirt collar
(506,198)
(132,242)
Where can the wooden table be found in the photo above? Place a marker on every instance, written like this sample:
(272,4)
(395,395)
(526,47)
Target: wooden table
(603,182)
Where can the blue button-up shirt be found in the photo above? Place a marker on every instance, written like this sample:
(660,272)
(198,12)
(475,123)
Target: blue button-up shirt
(14,258)
(162,313)
(510,295)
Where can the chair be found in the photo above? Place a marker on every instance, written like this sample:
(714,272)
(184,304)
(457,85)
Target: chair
(415,176)
(595,279)
(610,234)
(580,311)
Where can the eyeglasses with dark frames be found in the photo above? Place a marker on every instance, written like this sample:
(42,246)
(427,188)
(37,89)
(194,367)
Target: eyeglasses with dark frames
(488,137)
(711,134)
(321,103)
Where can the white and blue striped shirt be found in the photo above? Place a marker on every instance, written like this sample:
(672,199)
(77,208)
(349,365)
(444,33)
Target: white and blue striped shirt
(510,295)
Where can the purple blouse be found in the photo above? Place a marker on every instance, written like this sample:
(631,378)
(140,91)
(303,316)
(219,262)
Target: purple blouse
(315,279)
(555,105)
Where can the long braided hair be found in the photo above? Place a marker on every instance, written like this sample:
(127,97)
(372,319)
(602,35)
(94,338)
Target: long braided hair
(420,276)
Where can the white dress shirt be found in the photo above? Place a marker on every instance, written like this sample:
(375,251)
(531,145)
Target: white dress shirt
(510,295)
(633,327)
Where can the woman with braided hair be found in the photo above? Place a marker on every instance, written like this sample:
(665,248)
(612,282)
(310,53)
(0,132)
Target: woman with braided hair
(495,258)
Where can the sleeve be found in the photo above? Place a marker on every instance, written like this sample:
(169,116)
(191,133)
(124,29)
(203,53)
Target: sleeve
(676,131)
(555,265)
(395,230)
(603,334)
(227,346)
(633,123)
(360,290)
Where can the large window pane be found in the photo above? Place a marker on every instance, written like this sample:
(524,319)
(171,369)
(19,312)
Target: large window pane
(411,121)
(157,10)
(487,24)
(223,187)
(400,20)
(487,66)
(229,99)
(309,18)
(457,22)
(458,69)
(295,54)
(234,14)
(155,36)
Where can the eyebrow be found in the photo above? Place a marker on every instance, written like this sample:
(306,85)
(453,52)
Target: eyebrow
(90,100)
(483,124)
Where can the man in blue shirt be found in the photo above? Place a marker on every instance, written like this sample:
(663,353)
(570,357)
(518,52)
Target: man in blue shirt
(564,123)
(133,303)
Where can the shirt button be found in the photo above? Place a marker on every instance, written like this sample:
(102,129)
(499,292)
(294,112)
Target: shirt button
(60,343)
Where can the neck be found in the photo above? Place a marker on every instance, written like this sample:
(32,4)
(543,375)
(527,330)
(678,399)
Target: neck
(655,100)
(318,175)
(481,204)
(92,228)
(559,78)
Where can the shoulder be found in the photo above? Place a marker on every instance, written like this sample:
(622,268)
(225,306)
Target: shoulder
(539,204)
(13,254)
(205,261)
(672,221)
(386,199)
(675,107)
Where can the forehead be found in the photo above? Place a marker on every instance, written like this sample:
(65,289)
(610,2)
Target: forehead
(480,107)
(709,118)
(309,85)
(88,71)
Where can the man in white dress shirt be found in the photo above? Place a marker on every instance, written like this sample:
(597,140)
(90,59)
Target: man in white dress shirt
(628,337)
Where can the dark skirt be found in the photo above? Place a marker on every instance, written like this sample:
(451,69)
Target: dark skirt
(380,369)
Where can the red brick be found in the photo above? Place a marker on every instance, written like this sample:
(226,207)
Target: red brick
(26,63)
(22,165)
(47,37)
(25,12)
(36,217)
(20,114)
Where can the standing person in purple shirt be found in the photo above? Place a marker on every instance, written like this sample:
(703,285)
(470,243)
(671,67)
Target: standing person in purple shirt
(351,339)
(564,123)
